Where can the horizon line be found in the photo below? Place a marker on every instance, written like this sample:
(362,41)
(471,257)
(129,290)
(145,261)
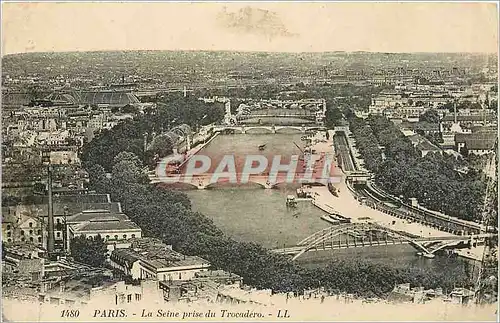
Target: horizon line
(244,51)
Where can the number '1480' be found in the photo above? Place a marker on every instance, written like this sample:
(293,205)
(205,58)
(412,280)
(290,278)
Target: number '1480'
(70,313)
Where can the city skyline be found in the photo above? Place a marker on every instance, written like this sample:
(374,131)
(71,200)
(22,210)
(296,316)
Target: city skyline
(274,27)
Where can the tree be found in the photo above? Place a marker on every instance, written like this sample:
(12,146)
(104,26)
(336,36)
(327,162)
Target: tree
(431,116)
(127,156)
(127,175)
(161,145)
(130,109)
(39,188)
(91,251)
(333,116)
(493,104)
(98,180)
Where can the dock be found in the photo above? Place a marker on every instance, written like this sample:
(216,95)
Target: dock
(333,216)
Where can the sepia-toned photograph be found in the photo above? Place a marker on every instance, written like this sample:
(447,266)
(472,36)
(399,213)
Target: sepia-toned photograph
(249,161)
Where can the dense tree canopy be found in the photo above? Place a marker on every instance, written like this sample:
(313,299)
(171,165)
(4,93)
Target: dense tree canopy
(431,116)
(130,135)
(91,251)
(432,179)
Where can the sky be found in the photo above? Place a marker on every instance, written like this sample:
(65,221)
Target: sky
(251,26)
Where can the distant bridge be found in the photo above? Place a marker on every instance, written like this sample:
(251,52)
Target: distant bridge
(287,114)
(204,181)
(271,129)
(315,104)
(370,234)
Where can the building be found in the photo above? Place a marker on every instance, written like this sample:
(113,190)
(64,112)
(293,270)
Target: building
(151,259)
(22,228)
(120,293)
(403,293)
(425,147)
(111,226)
(28,222)
(480,146)
(461,296)
(478,143)
(466,122)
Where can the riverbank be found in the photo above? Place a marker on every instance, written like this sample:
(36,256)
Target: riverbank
(193,151)
(347,205)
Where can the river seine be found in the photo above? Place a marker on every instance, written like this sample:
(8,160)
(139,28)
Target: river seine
(253,214)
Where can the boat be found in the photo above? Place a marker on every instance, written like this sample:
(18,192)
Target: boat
(290,201)
(329,219)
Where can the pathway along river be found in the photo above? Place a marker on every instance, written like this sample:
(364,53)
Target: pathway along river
(253,214)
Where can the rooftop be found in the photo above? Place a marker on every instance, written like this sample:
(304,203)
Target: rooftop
(61,209)
(484,136)
(97,215)
(427,145)
(157,255)
(480,144)
(107,225)
(451,117)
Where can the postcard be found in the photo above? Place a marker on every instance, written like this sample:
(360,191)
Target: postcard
(249,161)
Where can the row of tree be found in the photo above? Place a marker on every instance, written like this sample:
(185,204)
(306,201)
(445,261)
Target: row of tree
(401,170)
(131,135)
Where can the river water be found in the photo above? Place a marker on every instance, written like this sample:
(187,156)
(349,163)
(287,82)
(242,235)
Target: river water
(253,214)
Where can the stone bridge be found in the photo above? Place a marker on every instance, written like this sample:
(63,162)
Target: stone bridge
(206,181)
(254,115)
(271,129)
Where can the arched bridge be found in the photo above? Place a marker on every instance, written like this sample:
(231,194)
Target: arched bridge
(206,181)
(256,115)
(272,129)
(352,235)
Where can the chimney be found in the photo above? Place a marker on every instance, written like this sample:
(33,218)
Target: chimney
(50,229)
(65,228)
(455,108)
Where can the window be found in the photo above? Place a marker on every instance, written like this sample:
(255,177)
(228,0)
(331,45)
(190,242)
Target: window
(39,232)
(22,232)
(138,297)
(9,240)
(58,221)
(107,237)
(8,226)
(133,236)
(31,224)
(180,275)
(129,298)
(40,239)
(31,232)
(22,239)
(9,234)
(116,237)
(31,239)
(124,236)
(58,234)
